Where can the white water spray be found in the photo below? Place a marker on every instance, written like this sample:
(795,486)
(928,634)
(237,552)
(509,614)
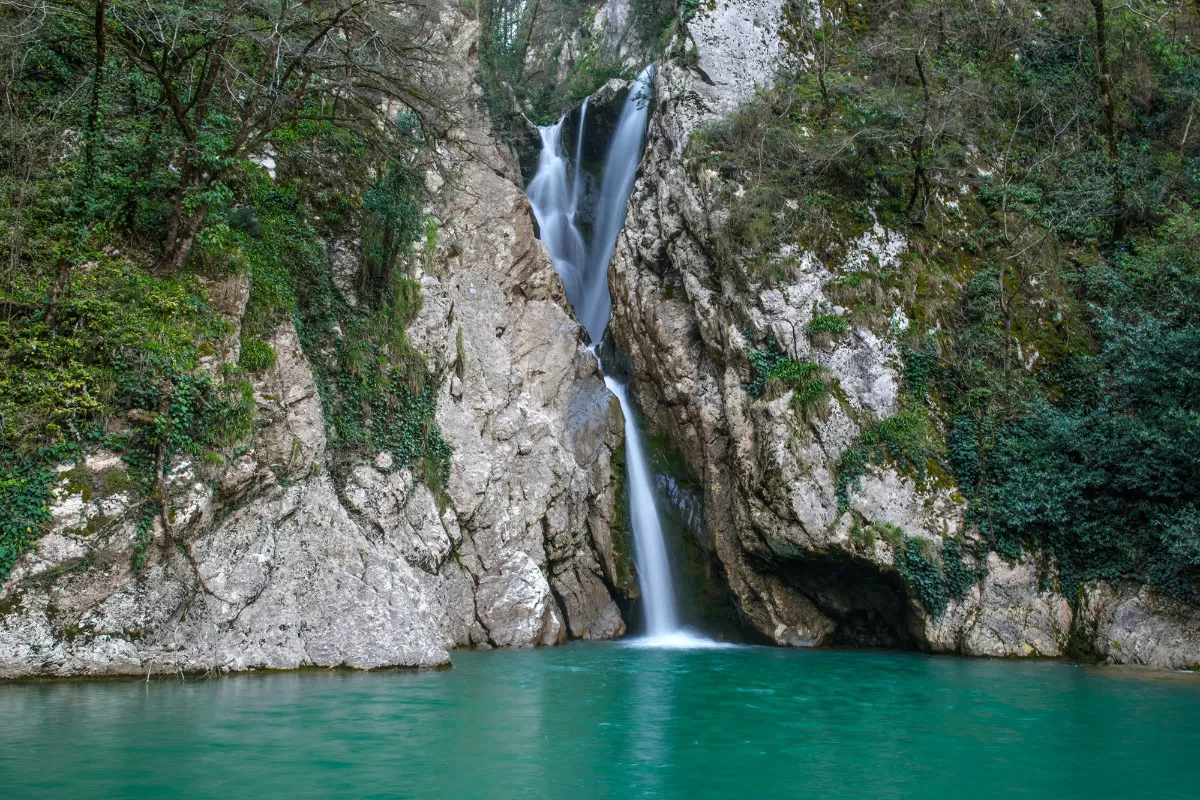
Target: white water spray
(583,266)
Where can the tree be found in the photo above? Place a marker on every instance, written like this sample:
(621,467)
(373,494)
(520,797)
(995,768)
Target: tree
(1108,108)
(228,73)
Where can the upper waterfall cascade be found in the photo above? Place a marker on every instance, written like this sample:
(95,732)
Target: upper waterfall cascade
(556,194)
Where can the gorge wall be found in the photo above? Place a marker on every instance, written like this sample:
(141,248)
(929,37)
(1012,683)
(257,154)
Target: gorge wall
(802,570)
(283,555)
(274,561)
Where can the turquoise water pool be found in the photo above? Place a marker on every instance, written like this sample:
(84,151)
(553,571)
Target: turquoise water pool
(613,721)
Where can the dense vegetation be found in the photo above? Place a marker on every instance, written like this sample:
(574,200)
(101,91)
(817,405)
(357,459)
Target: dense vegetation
(132,143)
(1043,161)
(539,58)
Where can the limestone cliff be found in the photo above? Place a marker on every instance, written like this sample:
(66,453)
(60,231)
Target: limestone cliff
(802,571)
(272,561)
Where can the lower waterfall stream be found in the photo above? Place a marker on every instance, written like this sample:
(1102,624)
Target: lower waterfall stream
(556,194)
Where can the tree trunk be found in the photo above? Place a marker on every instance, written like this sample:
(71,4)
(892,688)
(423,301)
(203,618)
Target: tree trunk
(93,117)
(182,235)
(1110,123)
(917,149)
(185,223)
(141,172)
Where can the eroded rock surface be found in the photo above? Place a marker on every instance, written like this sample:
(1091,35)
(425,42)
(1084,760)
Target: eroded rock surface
(802,571)
(273,561)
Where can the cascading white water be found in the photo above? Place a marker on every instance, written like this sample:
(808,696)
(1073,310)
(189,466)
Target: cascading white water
(583,267)
(654,570)
(556,193)
(555,203)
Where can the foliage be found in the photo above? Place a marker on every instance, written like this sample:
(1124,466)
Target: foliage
(119,329)
(934,581)
(24,489)
(256,355)
(832,324)
(376,391)
(862,537)
(1050,276)
(392,220)
(130,142)
(1106,480)
(773,373)
(521,70)
(824,328)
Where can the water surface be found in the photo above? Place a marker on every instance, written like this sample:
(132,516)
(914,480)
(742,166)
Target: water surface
(613,721)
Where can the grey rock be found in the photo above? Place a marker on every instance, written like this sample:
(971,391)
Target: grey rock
(291,437)
(1134,625)
(278,560)
(800,572)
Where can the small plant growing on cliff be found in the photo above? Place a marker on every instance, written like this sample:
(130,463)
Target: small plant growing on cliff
(824,329)
(862,537)
(775,373)
(856,288)
(257,356)
(892,534)
(810,391)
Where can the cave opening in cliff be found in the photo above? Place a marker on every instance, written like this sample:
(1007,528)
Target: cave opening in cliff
(868,605)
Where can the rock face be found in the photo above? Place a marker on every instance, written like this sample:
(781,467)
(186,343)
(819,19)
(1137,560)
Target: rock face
(801,571)
(269,561)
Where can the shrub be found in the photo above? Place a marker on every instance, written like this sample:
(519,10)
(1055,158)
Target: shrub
(825,328)
(862,537)
(774,373)
(257,356)
(934,581)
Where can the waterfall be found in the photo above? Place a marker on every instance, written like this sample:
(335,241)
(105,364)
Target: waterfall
(554,205)
(556,193)
(654,571)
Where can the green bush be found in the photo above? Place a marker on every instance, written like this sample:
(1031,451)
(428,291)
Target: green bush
(256,355)
(831,324)
(934,581)
(823,329)
(24,504)
(862,537)
(774,373)
(1106,479)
